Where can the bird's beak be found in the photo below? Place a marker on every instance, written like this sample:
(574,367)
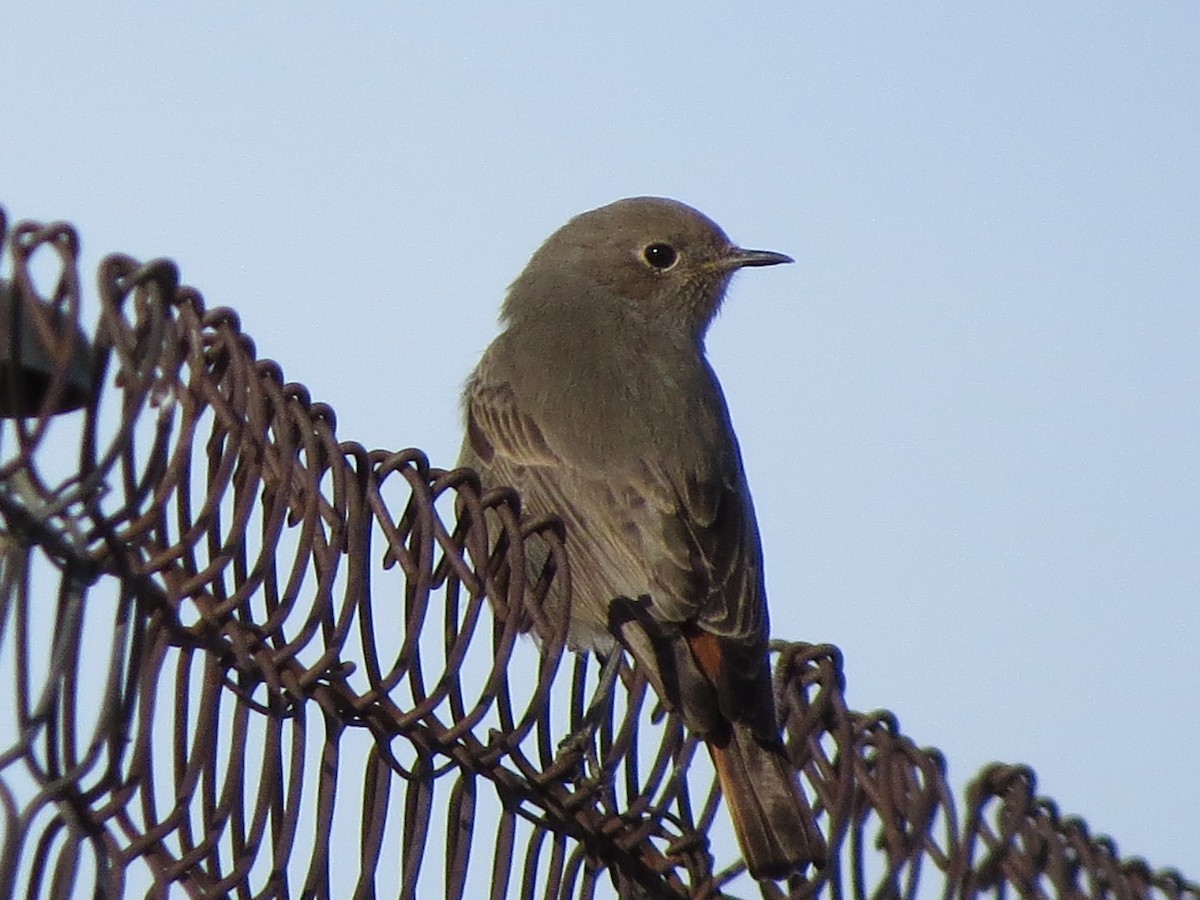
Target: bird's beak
(737,258)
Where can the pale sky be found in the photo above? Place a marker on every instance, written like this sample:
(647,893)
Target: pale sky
(969,411)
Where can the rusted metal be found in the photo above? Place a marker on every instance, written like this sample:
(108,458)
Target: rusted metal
(248,658)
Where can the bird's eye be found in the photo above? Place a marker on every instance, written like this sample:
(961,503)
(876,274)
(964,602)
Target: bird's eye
(661,256)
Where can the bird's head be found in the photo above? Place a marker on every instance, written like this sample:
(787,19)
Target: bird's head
(671,261)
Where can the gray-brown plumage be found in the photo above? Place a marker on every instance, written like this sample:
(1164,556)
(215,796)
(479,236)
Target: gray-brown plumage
(597,403)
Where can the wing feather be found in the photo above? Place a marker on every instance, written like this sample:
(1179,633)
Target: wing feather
(685,541)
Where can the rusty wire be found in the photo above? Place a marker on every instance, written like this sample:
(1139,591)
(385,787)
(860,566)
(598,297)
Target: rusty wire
(250,659)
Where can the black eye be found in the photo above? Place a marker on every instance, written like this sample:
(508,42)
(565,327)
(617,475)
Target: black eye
(661,256)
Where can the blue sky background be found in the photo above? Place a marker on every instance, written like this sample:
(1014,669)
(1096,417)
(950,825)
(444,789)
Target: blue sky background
(969,411)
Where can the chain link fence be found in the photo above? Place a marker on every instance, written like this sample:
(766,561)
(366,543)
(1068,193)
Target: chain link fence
(247,658)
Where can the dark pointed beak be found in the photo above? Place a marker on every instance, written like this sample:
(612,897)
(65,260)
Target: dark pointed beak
(738,258)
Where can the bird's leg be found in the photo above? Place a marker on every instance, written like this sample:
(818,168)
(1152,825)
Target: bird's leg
(581,739)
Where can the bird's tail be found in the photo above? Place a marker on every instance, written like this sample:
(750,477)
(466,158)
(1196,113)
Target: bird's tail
(775,826)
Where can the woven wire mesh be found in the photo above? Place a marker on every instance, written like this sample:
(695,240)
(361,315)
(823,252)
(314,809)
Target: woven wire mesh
(249,659)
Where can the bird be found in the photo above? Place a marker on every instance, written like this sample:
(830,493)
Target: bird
(597,403)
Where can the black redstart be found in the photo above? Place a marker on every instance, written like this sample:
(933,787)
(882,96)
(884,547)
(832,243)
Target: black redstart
(597,403)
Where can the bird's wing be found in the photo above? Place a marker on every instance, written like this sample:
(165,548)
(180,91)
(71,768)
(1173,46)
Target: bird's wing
(600,514)
(690,532)
(495,426)
(712,541)
(679,533)
(723,562)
